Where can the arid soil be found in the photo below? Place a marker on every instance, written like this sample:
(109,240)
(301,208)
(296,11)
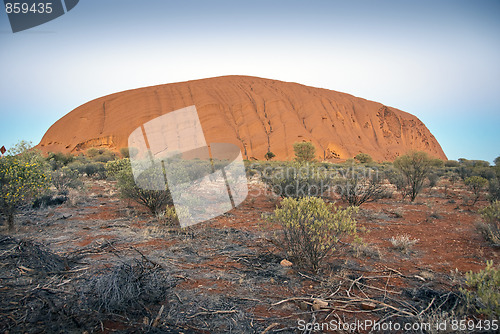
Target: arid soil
(225,275)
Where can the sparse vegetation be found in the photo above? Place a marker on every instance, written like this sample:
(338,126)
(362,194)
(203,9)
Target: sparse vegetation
(22,179)
(359,186)
(363,158)
(304,151)
(484,290)
(476,184)
(490,228)
(312,229)
(269,155)
(154,199)
(403,243)
(297,180)
(414,168)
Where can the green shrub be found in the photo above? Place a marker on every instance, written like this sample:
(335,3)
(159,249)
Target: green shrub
(100,154)
(269,155)
(364,158)
(304,151)
(359,186)
(65,178)
(58,160)
(115,166)
(22,179)
(490,228)
(155,200)
(312,229)
(476,184)
(414,168)
(297,180)
(497,161)
(484,290)
(494,190)
(451,163)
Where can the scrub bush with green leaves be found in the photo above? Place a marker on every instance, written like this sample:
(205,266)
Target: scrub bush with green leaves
(22,179)
(484,290)
(311,229)
(490,228)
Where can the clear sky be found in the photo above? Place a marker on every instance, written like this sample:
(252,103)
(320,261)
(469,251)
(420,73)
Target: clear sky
(439,60)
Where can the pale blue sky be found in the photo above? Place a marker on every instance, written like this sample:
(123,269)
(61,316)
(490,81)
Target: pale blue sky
(439,60)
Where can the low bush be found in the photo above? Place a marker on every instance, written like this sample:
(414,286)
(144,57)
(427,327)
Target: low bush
(490,228)
(363,158)
(127,287)
(311,229)
(297,180)
(22,180)
(403,243)
(476,184)
(116,166)
(359,186)
(154,200)
(483,291)
(65,178)
(304,151)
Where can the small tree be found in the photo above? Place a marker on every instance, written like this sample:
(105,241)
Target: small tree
(476,184)
(312,229)
(269,155)
(21,180)
(304,151)
(497,161)
(363,158)
(414,167)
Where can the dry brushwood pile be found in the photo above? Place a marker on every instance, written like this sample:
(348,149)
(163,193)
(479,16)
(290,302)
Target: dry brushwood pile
(100,264)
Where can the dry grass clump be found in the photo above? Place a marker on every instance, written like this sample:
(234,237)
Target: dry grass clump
(403,243)
(127,287)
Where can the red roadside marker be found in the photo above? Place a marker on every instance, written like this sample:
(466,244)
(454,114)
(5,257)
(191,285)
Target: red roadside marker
(3,150)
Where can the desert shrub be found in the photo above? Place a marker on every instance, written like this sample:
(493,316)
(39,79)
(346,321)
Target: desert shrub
(414,168)
(100,154)
(116,166)
(357,186)
(433,179)
(154,200)
(438,163)
(127,287)
(464,171)
(297,180)
(484,290)
(89,168)
(65,178)
(494,190)
(490,228)
(497,161)
(58,160)
(476,184)
(304,151)
(127,152)
(269,155)
(451,163)
(363,158)
(22,179)
(312,229)
(403,243)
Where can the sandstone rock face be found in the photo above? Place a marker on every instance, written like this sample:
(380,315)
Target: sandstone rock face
(254,113)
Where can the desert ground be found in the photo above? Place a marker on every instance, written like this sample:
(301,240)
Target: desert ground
(227,276)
